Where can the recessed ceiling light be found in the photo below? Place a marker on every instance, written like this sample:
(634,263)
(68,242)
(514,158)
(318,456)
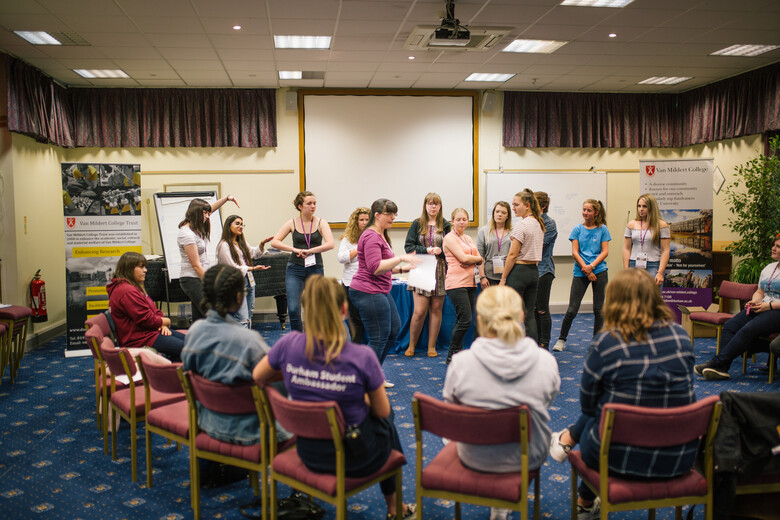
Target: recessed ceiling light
(597,3)
(745,50)
(101,73)
(661,80)
(488,76)
(534,46)
(612,35)
(302,42)
(237,27)
(290,74)
(38,37)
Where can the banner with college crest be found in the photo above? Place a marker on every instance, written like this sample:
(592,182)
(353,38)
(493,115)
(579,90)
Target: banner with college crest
(102,213)
(683,189)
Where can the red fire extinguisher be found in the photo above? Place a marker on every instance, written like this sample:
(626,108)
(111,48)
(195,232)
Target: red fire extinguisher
(38,298)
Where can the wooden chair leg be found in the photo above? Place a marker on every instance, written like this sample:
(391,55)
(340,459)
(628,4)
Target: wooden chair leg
(148,458)
(573,494)
(678,513)
(399,496)
(772,362)
(113,433)
(133,454)
(272,496)
(536,499)
(651,514)
(717,341)
(195,483)
(744,362)
(457,510)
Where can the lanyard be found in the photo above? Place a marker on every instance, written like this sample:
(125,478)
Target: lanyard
(643,235)
(460,237)
(500,239)
(771,277)
(306,237)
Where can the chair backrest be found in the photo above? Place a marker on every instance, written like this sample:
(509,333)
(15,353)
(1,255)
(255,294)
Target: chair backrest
(94,336)
(111,355)
(234,399)
(469,424)
(307,419)
(99,321)
(162,378)
(737,291)
(659,427)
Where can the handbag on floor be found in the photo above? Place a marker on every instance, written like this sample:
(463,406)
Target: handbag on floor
(296,507)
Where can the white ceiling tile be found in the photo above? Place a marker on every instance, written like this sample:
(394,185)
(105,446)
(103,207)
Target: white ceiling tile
(346,83)
(128,65)
(25,52)
(243,55)
(197,65)
(388,83)
(166,8)
(114,82)
(223,25)
(252,83)
(87,63)
(374,10)
(112,39)
(202,75)
(208,82)
(439,80)
(132,53)
(185,53)
(118,24)
(264,76)
(303,9)
(347,66)
(289,55)
(153,74)
(242,41)
(303,27)
(242,8)
(33,22)
(343,43)
(348,75)
(161,83)
(31,7)
(308,83)
(699,18)
(301,65)
(178,40)
(373,29)
(169,24)
(81,7)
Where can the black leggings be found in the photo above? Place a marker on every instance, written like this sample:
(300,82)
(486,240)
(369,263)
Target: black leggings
(463,299)
(524,278)
(542,310)
(579,285)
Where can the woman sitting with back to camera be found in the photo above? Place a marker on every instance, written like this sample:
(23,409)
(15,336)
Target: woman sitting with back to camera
(138,321)
(504,368)
(641,358)
(363,399)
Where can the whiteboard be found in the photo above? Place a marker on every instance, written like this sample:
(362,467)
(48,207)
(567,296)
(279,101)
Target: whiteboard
(567,192)
(171,208)
(359,148)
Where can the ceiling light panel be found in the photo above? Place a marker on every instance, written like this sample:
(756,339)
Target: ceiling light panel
(302,42)
(534,46)
(101,73)
(745,50)
(290,74)
(664,80)
(38,37)
(597,3)
(489,76)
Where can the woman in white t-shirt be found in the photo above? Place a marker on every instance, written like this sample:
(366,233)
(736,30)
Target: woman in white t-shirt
(647,239)
(347,255)
(193,239)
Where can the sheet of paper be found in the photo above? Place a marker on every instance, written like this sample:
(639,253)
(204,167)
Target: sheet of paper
(424,275)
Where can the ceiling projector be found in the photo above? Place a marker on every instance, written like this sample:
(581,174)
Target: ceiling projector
(450,37)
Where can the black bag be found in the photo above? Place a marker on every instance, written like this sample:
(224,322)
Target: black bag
(354,441)
(296,507)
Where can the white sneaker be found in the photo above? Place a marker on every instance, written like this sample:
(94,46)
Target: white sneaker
(388,384)
(560,345)
(497,513)
(589,513)
(558,450)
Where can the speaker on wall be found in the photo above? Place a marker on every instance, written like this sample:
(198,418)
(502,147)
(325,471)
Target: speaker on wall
(488,101)
(291,101)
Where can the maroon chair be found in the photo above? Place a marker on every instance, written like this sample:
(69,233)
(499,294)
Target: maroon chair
(171,421)
(17,320)
(445,477)
(651,428)
(770,340)
(239,399)
(5,347)
(319,420)
(731,290)
(129,403)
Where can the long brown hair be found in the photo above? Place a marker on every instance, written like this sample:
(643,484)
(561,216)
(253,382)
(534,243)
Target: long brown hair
(507,224)
(194,218)
(125,268)
(601,215)
(544,200)
(527,196)
(382,206)
(227,236)
(653,216)
(632,304)
(422,222)
(352,230)
(324,326)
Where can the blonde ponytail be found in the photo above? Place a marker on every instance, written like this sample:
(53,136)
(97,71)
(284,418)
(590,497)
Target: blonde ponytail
(500,310)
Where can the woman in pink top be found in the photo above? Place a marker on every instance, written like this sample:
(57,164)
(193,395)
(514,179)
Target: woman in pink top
(525,253)
(370,287)
(462,255)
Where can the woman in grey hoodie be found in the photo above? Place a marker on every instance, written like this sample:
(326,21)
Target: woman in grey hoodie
(502,369)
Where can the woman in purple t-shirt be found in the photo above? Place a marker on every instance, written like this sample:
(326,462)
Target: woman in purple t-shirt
(370,287)
(321,365)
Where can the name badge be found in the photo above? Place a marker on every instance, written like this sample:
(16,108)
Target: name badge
(498,264)
(641,261)
(310,261)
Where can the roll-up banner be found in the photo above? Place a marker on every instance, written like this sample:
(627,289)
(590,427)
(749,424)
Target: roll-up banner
(683,189)
(102,213)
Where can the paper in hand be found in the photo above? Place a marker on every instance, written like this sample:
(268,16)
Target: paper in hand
(423,276)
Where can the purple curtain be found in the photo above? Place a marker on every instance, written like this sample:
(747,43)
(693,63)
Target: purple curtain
(746,104)
(122,117)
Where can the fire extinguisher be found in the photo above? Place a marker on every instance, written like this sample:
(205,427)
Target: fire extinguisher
(38,298)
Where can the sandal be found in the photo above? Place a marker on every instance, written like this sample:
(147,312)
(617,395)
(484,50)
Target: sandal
(409,352)
(410,511)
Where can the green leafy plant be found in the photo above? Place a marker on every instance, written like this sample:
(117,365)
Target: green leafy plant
(754,201)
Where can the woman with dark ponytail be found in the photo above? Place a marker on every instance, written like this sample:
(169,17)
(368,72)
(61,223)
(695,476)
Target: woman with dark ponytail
(220,349)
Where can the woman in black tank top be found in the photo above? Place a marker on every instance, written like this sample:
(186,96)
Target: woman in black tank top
(310,237)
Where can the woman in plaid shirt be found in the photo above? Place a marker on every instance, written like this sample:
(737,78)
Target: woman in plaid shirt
(641,358)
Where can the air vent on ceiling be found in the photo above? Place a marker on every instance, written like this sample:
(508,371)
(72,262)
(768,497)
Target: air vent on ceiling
(70,38)
(482,38)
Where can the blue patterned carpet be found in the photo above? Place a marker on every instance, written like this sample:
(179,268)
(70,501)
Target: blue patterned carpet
(52,464)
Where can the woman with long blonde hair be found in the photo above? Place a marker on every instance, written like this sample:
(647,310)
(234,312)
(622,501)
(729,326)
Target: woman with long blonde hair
(347,255)
(647,239)
(641,358)
(426,236)
(301,359)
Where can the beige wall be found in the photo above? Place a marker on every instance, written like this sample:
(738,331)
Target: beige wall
(31,187)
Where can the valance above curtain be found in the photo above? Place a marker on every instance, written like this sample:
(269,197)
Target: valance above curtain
(743,105)
(124,117)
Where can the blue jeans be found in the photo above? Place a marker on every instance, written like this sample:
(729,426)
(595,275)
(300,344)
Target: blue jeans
(381,323)
(741,332)
(295,278)
(170,346)
(652,267)
(244,313)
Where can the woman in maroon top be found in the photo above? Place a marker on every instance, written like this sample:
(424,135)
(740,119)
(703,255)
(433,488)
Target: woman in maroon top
(370,287)
(139,323)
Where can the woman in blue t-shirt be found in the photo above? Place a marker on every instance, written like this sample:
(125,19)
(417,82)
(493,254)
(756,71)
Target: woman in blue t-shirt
(321,365)
(589,247)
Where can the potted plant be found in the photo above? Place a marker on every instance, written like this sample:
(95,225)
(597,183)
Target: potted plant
(754,201)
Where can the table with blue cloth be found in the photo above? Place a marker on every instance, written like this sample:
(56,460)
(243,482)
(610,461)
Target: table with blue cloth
(404,302)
